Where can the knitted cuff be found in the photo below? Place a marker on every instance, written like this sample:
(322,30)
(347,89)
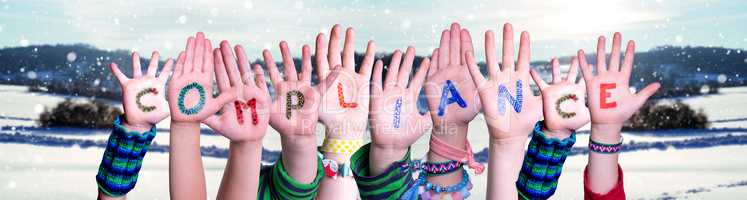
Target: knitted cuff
(122,159)
(388,185)
(275,183)
(543,164)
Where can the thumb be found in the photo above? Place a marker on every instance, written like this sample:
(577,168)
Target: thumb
(222,99)
(213,122)
(646,92)
(474,70)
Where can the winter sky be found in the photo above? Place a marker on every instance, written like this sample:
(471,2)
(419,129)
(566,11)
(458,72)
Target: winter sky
(557,27)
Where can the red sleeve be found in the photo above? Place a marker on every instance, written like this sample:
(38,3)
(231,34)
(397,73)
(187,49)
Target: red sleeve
(617,192)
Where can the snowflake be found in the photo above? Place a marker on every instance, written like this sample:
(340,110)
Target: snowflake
(71,56)
(182,19)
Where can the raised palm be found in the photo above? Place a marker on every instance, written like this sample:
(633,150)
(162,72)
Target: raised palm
(190,89)
(344,92)
(247,117)
(564,100)
(610,99)
(294,109)
(143,96)
(395,120)
(449,68)
(510,107)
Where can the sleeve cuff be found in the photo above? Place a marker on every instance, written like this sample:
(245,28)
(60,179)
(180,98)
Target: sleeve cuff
(543,164)
(391,184)
(617,192)
(280,185)
(123,158)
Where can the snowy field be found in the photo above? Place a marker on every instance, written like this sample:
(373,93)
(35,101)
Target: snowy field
(36,172)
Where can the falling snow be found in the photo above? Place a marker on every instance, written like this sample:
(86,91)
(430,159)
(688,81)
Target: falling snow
(71,56)
(182,19)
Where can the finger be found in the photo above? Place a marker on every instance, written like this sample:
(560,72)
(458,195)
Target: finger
(305,63)
(259,77)
(586,70)
(322,65)
(466,39)
(207,63)
(244,67)
(555,71)
(474,71)
(230,63)
(136,71)
(348,51)
(190,50)
(288,65)
(179,68)
(222,99)
(166,70)
(221,76)
(392,70)
(272,68)
(538,79)
(334,50)
(573,71)
(615,55)
(454,45)
(419,78)
(213,121)
(434,62)
(377,89)
(508,48)
(646,92)
(627,66)
(153,65)
(524,52)
(368,60)
(403,75)
(601,57)
(198,59)
(117,73)
(443,54)
(491,55)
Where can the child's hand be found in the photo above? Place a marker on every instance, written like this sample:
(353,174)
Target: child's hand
(247,117)
(451,93)
(344,92)
(143,99)
(191,88)
(395,120)
(564,101)
(511,109)
(610,100)
(294,110)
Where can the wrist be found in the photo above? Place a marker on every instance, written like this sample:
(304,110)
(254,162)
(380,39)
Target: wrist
(135,126)
(179,124)
(245,145)
(606,133)
(379,153)
(559,133)
(454,134)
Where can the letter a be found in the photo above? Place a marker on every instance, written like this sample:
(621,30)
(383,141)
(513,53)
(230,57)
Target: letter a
(446,100)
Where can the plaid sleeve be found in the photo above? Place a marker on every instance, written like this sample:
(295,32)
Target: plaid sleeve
(391,184)
(543,163)
(275,183)
(123,157)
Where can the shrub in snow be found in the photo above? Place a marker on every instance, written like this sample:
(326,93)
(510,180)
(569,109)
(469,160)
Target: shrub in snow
(90,114)
(669,115)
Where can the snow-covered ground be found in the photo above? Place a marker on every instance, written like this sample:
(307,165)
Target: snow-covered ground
(35,172)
